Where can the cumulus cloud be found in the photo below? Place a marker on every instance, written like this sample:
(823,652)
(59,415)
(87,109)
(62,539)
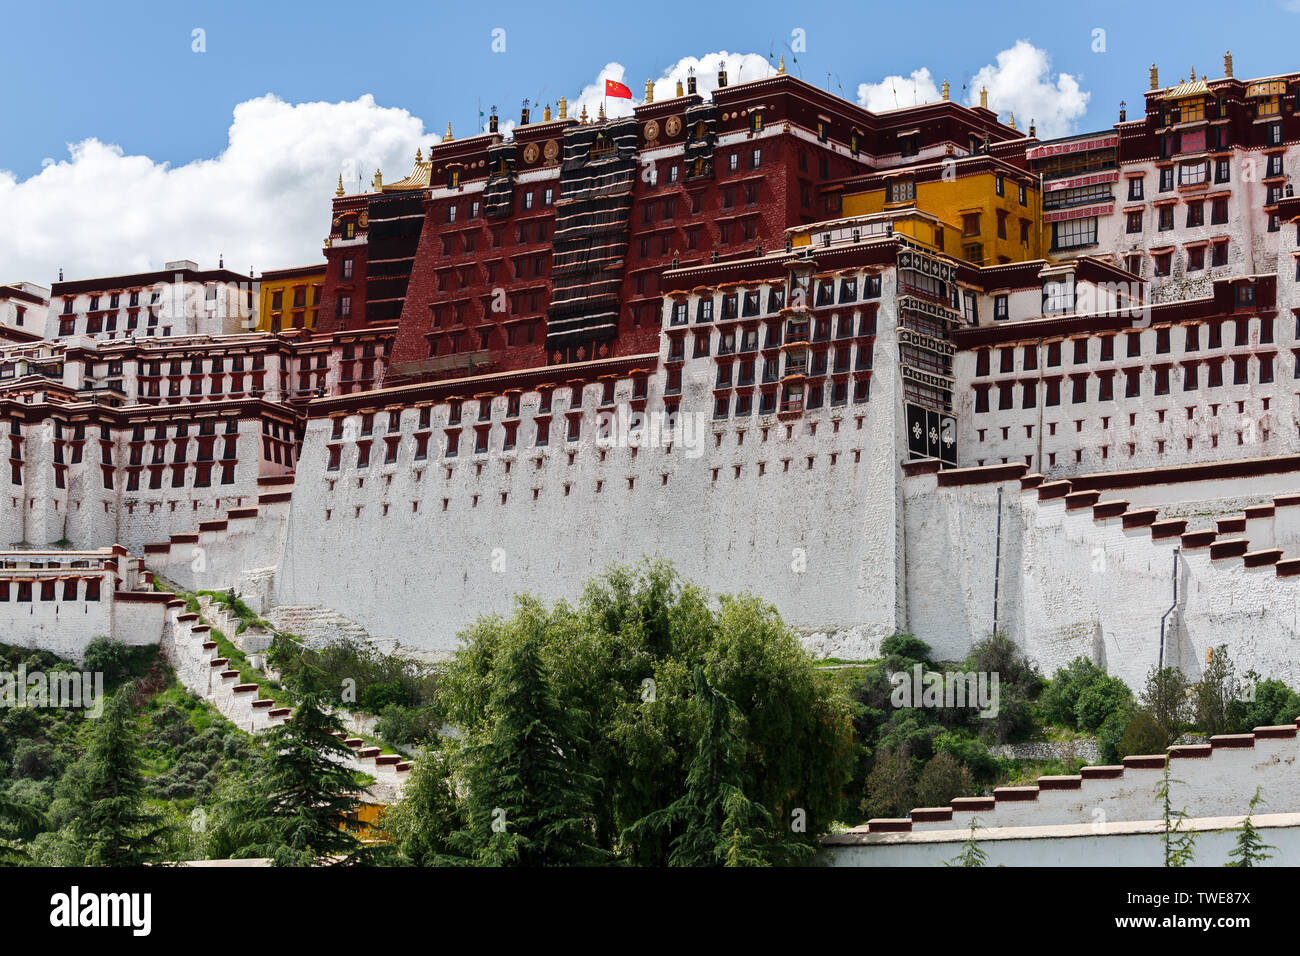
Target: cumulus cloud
(741,67)
(263,202)
(1020,82)
(895,92)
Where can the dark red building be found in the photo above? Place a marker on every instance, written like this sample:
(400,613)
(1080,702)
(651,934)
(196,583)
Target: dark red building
(550,247)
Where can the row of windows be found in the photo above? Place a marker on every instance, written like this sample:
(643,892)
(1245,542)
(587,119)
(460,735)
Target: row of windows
(1161,379)
(1192,341)
(23,591)
(742,405)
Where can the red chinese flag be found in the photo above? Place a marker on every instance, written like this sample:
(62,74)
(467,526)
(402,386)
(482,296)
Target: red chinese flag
(616,89)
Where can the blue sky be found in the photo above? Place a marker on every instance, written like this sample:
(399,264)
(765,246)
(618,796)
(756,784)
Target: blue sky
(124,74)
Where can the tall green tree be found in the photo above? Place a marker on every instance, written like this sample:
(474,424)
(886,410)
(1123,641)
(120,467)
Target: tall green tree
(622,661)
(1250,848)
(423,821)
(20,820)
(111,822)
(295,813)
(715,822)
(530,791)
(1179,845)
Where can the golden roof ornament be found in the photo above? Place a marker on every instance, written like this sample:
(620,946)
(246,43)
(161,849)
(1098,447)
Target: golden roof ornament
(984,97)
(680,90)
(419,155)
(945,89)
(377,184)
(1033,132)
(339,191)
(564,108)
(780,68)
(1012,121)
(447,138)
(1227,63)
(601,117)
(583,116)
(649,91)
(1155,77)
(546,114)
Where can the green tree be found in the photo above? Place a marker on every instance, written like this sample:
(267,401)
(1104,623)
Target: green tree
(111,824)
(1250,847)
(622,662)
(530,790)
(891,786)
(1214,695)
(971,853)
(20,820)
(295,812)
(423,821)
(942,779)
(1179,845)
(1143,735)
(716,823)
(1164,698)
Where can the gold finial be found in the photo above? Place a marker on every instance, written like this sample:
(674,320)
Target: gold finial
(984,97)
(546,114)
(1155,78)
(780,68)
(1227,63)
(945,89)
(1032,131)
(378,181)
(601,117)
(448,137)
(1192,78)
(1012,122)
(583,115)
(649,91)
(680,90)
(564,108)
(339,191)
(419,155)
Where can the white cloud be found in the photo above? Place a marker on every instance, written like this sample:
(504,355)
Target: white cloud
(1020,82)
(263,202)
(894,92)
(741,67)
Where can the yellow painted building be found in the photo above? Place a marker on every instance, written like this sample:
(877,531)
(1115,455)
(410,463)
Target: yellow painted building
(975,208)
(290,298)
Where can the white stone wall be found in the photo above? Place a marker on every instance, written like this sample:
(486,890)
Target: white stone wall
(819,541)
(1072,585)
(1138,844)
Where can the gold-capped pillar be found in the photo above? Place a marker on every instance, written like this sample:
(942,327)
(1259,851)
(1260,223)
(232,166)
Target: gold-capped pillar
(564,108)
(945,89)
(649,91)
(1155,78)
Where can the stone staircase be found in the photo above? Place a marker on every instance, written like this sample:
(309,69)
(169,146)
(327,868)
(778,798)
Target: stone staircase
(315,625)
(195,656)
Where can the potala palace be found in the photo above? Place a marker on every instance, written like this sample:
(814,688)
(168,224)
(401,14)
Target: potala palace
(909,371)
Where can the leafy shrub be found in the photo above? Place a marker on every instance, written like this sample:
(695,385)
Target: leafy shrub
(1142,736)
(942,779)
(108,657)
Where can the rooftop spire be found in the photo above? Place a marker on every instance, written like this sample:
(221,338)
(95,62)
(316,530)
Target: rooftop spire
(780,68)
(1227,63)
(680,90)
(419,156)
(564,108)
(448,137)
(339,191)
(649,91)
(984,97)
(1155,78)
(945,89)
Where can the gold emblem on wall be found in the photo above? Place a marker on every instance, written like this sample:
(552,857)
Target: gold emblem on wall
(363,220)
(530,153)
(551,150)
(673,126)
(651,131)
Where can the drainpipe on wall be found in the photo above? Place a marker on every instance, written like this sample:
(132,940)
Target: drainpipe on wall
(1172,607)
(997,562)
